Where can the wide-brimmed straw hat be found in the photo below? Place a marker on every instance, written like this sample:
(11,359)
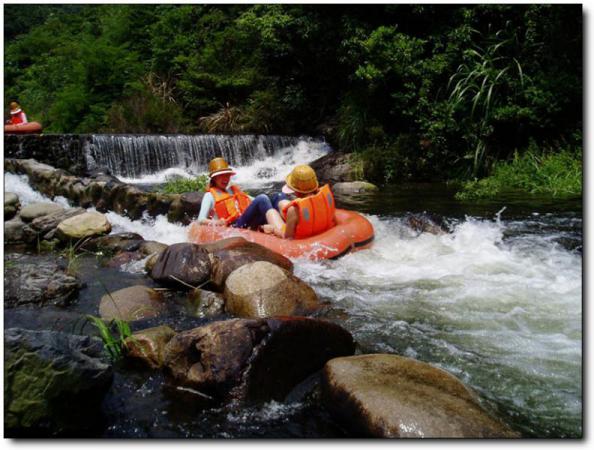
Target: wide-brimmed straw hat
(14,108)
(302,179)
(219,166)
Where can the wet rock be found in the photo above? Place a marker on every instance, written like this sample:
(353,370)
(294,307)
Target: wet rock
(353,187)
(427,223)
(35,210)
(14,231)
(113,243)
(131,303)
(254,360)
(203,303)
(11,199)
(191,202)
(11,205)
(232,253)
(187,262)
(158,204)
(150,247)
(175,214)
(149,345)
(84,225)
(336,167)
(391,396)
(53,383)
(150,262)
(45,226)
(39,281)
(123,258)
(262,289)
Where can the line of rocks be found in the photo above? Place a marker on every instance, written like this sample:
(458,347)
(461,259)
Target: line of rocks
(106,193)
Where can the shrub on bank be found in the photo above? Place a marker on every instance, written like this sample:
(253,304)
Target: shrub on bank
(558,174)
(181,185)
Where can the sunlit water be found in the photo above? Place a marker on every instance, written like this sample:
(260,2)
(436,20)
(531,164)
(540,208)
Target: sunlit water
(497,302)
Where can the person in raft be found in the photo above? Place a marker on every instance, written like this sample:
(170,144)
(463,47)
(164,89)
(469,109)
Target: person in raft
(17,115)
(306,208)
(227,205)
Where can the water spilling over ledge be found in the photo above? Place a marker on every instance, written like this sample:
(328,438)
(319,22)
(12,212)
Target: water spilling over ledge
(134,156)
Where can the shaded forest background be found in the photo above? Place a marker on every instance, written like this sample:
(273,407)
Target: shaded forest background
(420,92)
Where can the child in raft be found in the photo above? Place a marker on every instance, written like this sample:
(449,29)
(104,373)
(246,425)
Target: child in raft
(306,208)
(228,205)
(17,115)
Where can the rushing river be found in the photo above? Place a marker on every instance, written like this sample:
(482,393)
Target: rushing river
(497,302)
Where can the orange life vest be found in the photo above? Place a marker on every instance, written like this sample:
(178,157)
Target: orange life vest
(316,213)
(229,207)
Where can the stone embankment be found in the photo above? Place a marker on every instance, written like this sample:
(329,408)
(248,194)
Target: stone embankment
(105,193)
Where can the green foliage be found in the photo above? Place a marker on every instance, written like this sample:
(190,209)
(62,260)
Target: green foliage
(181,185)
(418,91)
(558,174)
(114,341)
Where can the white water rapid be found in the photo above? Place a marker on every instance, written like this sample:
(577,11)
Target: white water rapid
(496,305)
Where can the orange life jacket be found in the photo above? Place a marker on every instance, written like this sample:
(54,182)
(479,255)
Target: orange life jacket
(316,213)
(229,207)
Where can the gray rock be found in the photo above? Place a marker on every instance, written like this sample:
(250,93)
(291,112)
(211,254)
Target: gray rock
(14,231)
(187,262)
(390,396)
(229,254)
(262,289)
(254,360)
(45,226)
(35,210)
(53,383)
(38,281)
(84,225)
(336,167)
(9,212)
(131,303)
(11,199)
(203,303)
(150,247)
(113,243)
(353,187)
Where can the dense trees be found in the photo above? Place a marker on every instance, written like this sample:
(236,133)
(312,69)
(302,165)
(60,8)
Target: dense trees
(419,91)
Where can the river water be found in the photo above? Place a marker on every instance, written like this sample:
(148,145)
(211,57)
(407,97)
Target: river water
(497,302)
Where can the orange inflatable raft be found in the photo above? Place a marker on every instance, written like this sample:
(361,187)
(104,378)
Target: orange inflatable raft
(25,128)
(352,232)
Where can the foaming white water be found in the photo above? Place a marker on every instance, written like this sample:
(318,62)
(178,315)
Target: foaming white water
(260,173)
(503,315)
(159,177)
(150,228)
(19,184)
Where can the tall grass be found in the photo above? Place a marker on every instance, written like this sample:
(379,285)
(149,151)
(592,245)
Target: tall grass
(558,174)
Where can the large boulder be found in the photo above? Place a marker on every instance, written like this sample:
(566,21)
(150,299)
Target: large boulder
(353,187)
(262,289)
(148,345)
(254,360)
(82,226)
(37,281)
(189,263)
(230,254)
(131,303)
(53,383)
(336,167)
(35,210)
(390,396)
(44,227)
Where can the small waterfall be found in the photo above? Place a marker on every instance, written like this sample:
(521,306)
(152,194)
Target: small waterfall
(133,156)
